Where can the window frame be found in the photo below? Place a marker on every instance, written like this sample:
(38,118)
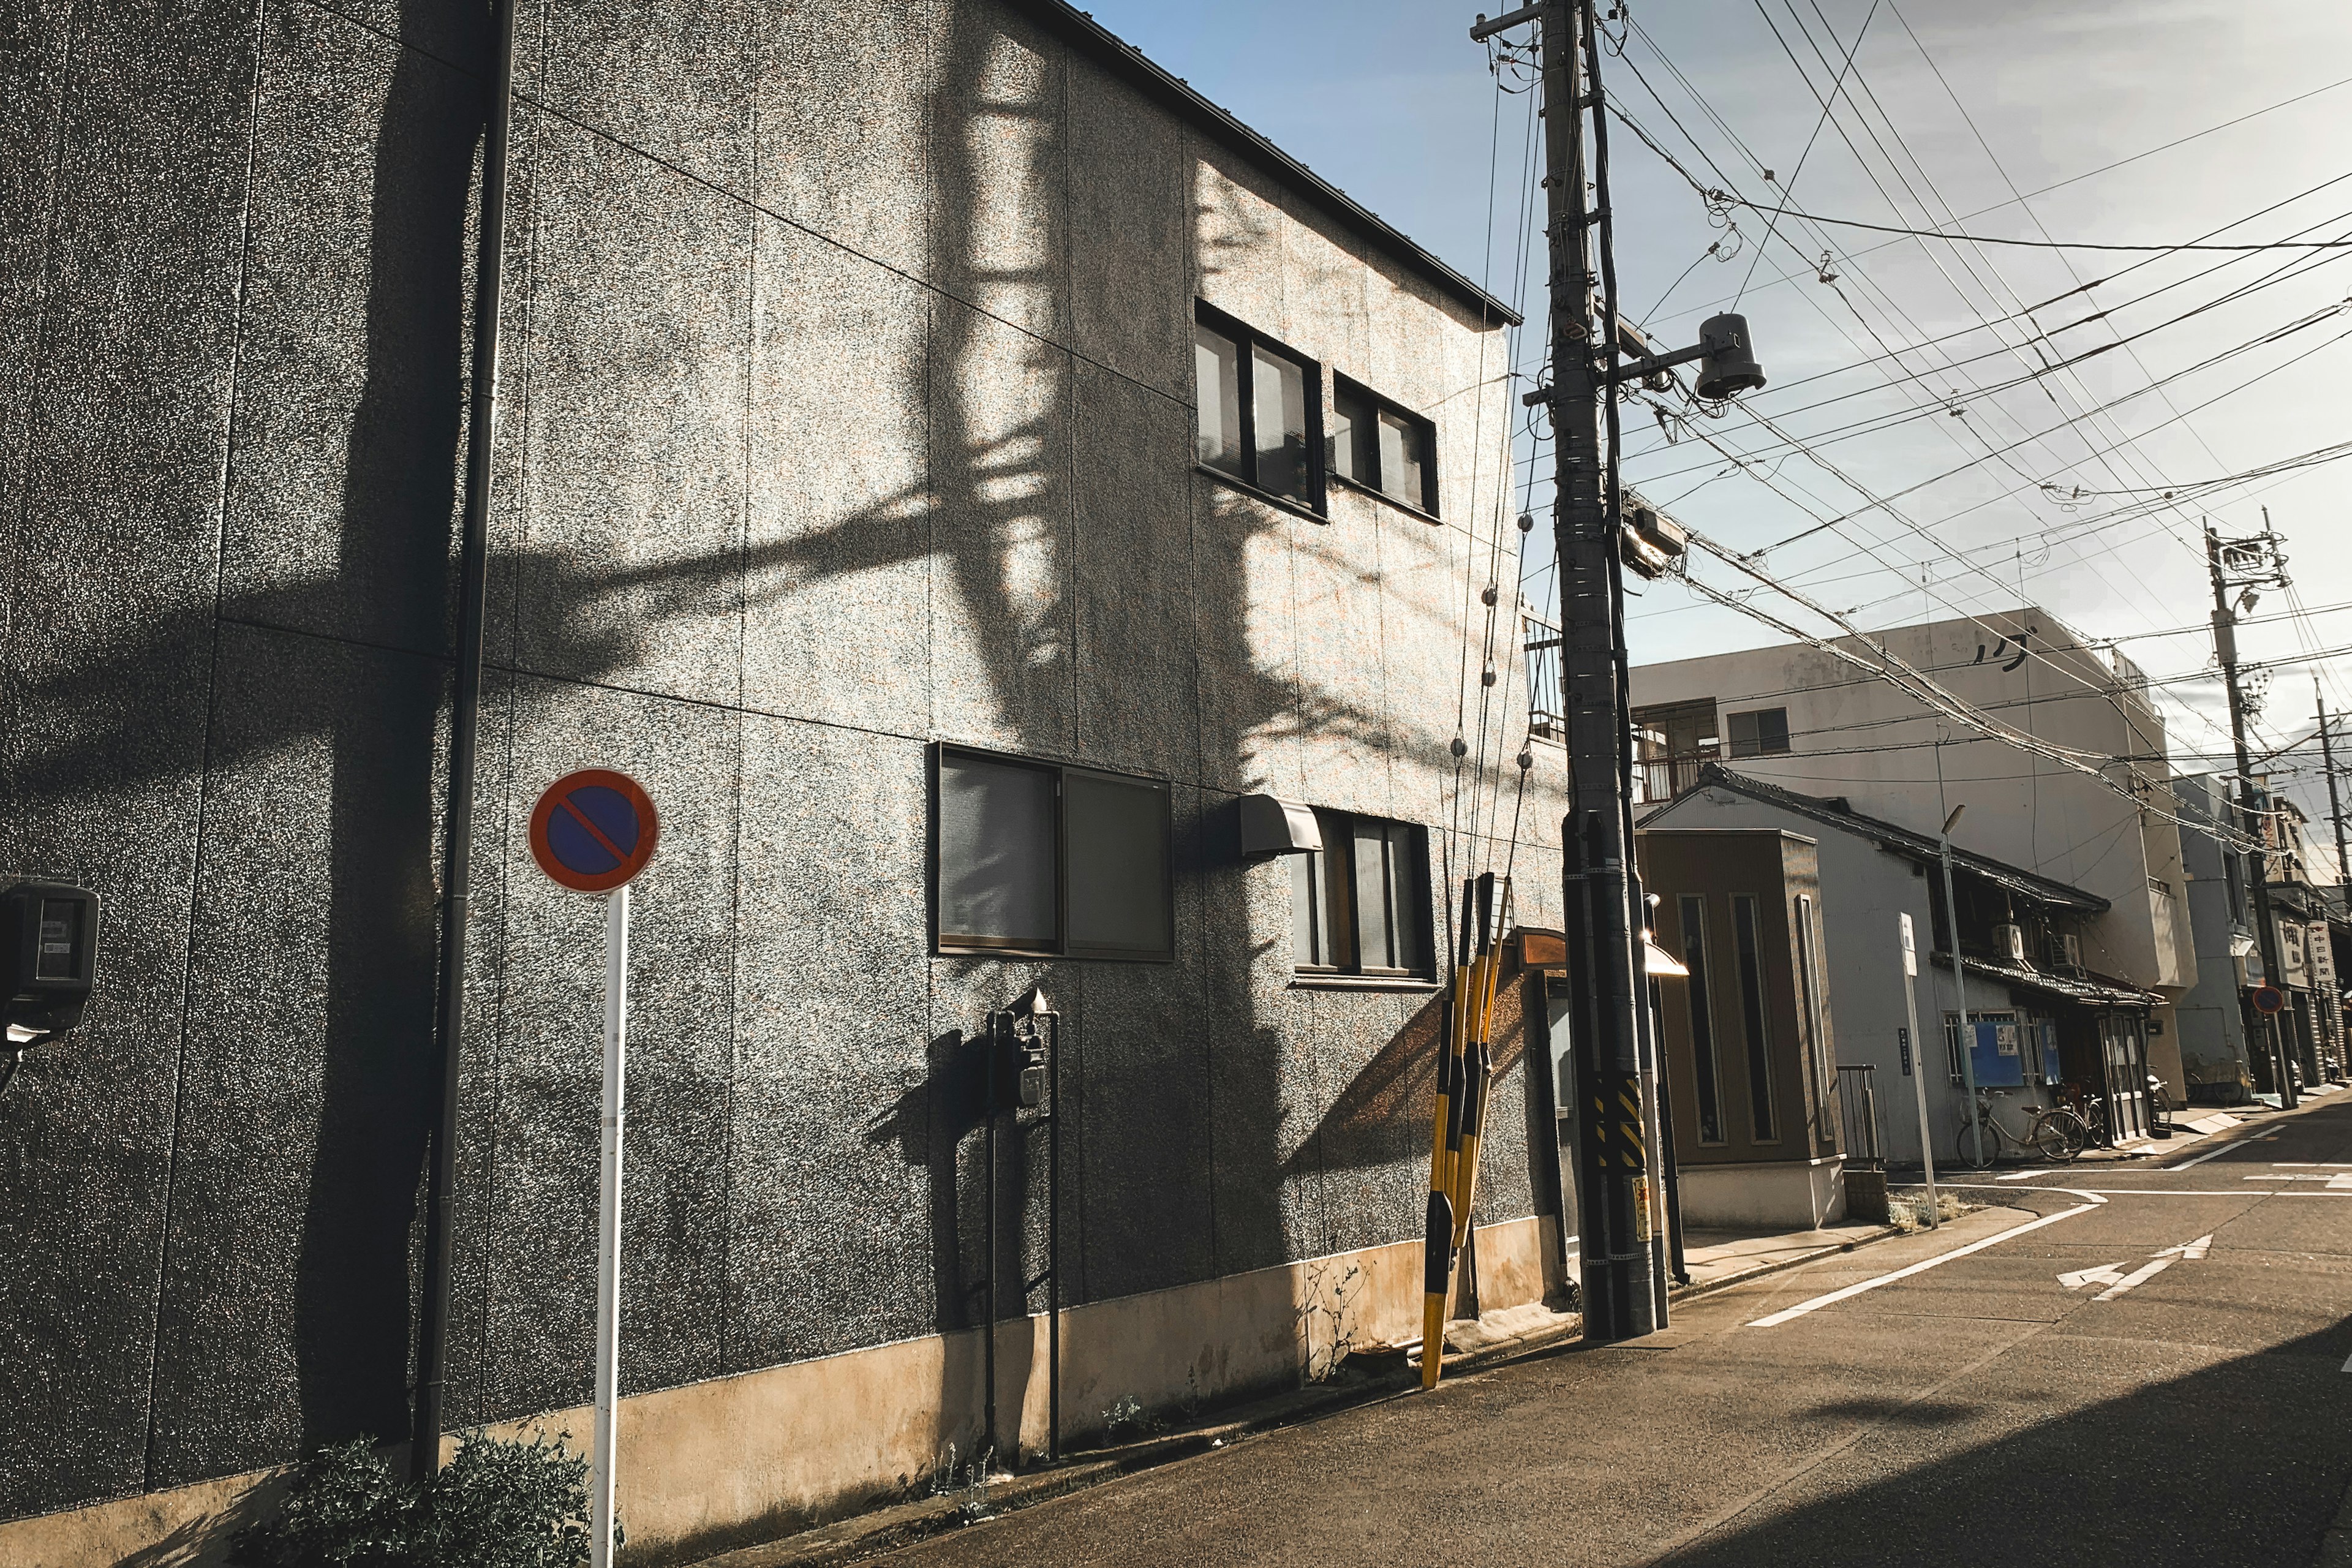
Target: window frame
(1812,1018)
(1747,947)
(1349,388)
(958,944)
(1321,872)
(1699,998)
(1755,747)
(1246,339)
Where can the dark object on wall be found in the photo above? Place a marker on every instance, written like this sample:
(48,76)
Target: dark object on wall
(472,578)
(1024,1051)
(48,957)
(48,964)
(1273,826)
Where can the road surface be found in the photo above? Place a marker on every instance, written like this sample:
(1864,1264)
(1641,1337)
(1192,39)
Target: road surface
(2149,1366)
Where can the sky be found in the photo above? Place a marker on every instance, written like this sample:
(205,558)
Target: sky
(1917,374)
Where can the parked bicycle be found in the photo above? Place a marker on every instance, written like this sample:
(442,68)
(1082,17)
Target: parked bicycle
(2053,1132)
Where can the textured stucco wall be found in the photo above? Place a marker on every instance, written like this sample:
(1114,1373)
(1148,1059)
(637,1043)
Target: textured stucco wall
(845,408)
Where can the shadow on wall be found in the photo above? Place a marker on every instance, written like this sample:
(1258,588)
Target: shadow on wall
(1382,1116)
(998,506)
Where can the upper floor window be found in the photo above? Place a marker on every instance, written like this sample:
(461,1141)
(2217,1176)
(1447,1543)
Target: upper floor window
(1037,857)
(1260,409)
(1360,905)
(1378,445)
(1759,732)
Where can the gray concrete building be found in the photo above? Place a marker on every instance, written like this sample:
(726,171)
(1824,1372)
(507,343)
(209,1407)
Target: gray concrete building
(911,414)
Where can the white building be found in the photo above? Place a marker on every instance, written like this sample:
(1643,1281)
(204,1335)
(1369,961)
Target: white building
(1805,720)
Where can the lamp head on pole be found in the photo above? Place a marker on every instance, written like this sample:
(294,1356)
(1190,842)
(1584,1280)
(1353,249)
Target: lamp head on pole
(1954,817)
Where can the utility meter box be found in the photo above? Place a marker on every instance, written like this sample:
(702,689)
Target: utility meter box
(48,957)
(1019,1070)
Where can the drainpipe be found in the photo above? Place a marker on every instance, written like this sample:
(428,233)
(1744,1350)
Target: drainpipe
(465,729)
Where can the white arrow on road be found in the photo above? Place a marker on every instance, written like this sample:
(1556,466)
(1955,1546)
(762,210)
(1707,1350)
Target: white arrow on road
(2112,1275)
(2105,1274)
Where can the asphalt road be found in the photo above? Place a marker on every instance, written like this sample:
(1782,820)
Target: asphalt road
(1979,1411)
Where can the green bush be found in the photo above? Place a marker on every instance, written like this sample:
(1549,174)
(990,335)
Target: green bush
(496,1505)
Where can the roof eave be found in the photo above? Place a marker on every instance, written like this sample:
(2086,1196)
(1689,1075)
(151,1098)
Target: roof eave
(1192,106)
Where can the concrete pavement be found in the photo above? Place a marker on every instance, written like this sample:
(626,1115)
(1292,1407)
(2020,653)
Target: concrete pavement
(2108,1387)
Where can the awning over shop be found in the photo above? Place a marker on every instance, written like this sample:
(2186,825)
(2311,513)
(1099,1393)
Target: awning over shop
(2086,993)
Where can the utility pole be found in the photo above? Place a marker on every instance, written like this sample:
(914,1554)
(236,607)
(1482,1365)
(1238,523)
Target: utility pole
(2225,648)
(1960,980)
(2335,802)
(2333,1007)
(1623,1275)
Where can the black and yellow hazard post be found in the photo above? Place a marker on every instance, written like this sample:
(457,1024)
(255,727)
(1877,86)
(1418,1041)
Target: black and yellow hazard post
(1437,1251)
(1464,1069)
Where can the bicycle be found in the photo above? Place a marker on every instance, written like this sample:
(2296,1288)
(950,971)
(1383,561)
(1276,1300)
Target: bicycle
(2055,1134)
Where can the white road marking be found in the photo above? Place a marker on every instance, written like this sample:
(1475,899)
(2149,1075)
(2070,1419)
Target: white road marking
(2347,1364)
(2196,1249)
(2197,1193)
(2339,1183)
(2311,1164)
(2105,1274)
(2145,1272)
(2023,1175)
(2217,1153)
(1801,1308)
(2330,1180)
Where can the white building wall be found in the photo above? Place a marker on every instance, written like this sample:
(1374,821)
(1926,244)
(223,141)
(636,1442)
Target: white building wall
(1854,735)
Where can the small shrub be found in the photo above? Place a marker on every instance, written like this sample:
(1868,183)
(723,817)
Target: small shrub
(497,1505)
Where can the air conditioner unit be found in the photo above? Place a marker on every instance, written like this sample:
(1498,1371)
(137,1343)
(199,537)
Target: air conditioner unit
(2008,941)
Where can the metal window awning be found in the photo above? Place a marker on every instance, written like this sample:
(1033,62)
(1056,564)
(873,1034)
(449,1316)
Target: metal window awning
(1274,827)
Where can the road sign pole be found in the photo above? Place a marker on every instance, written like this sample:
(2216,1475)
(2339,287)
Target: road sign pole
(1919,1062)
(608,1227)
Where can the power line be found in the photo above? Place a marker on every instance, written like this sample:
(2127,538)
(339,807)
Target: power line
(2042,244)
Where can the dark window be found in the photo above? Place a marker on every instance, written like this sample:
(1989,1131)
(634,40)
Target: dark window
(1360,905)
(1761,732)
(1382,447)
(1037,857)
(1707,1069)
(1752,1004)
(1259,409)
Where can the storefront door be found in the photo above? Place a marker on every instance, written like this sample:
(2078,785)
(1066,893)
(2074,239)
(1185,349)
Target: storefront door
(2124,1057)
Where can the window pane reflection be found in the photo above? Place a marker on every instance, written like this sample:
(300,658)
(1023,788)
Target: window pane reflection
(1280,414)
(1217,377)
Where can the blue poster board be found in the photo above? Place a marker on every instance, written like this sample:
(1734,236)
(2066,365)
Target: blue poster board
(2050,1071)
(1996,1054)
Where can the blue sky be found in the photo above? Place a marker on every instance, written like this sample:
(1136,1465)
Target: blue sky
(1950,108)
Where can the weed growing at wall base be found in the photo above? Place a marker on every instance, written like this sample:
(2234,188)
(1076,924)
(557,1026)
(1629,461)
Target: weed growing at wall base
(497,1504)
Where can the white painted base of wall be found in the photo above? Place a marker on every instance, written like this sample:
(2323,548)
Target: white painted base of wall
(1771,1194)
(740,1459)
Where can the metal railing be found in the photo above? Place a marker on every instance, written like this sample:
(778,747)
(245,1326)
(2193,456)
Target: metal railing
(1547,713)
(1858,1118)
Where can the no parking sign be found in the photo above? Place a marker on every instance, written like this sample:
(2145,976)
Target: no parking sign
(592,831)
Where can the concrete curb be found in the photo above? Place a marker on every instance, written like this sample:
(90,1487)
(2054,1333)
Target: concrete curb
(1779,1265)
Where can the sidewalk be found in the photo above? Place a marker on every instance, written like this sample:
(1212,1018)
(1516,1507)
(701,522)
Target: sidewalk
(1715,1260)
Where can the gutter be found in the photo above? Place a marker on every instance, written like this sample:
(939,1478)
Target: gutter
(465,734)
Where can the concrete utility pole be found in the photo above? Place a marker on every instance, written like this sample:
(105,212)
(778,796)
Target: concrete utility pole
(2335,802)
(1960,983)
(1624,1273)
(2225,647)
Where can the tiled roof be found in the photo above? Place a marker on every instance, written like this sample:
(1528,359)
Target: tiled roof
(1918,846)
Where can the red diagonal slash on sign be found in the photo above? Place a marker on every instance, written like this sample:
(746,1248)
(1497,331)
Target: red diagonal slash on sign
(580,816)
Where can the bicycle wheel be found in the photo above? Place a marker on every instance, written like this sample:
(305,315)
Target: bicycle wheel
(1975,1155)
(2060,1136)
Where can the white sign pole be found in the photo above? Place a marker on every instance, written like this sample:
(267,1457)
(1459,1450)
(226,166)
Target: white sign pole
(1919,1062)
(608,1229)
